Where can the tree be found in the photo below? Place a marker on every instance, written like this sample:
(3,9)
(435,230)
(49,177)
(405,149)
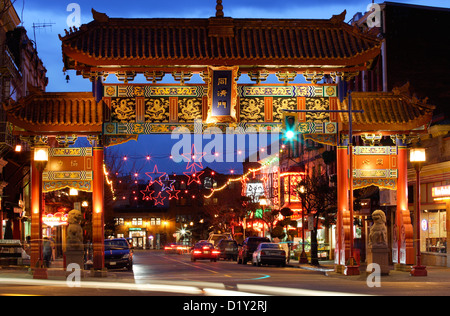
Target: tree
(319,201)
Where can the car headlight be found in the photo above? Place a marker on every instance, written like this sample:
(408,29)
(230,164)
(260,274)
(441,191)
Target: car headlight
(126,256)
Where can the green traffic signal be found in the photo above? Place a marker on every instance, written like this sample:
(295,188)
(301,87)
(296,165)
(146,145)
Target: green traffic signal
(289,135)
(290,126)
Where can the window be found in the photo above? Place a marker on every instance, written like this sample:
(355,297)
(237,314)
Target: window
(152,221)
(136,222)
(118,221)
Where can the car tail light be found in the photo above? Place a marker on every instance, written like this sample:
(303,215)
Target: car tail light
(206,247)
(197,252)
(167,248)
(216,252)
(263,253)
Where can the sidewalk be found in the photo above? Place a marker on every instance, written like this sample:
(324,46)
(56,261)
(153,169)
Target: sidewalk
(57,272)
(435,273)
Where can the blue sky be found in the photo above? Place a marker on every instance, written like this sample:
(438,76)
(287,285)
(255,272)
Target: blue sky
(55,11)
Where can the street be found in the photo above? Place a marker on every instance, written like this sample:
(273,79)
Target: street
(157,273)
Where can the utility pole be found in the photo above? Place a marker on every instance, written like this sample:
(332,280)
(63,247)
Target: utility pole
(351,262)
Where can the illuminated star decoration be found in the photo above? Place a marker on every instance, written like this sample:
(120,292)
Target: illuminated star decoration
(173,194)
(167,184)
(194,160)
(159,199)
(195,177)
(147,194)
(154,178)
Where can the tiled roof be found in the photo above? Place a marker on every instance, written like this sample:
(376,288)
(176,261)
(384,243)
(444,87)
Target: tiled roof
(57,112)
(386,111)
(217,41)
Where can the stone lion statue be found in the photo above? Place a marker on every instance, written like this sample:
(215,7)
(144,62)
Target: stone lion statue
(378,231)
(74,231)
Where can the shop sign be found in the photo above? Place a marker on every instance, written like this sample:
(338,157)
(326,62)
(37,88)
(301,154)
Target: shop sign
(441,193)
(56,219)
(424,225)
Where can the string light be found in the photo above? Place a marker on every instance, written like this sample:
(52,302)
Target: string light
(242,178)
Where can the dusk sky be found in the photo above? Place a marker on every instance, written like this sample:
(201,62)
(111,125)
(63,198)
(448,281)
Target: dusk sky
(55,12)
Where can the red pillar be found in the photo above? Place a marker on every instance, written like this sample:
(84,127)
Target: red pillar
(98,210)
(405,233)
(36,214)
(343,218)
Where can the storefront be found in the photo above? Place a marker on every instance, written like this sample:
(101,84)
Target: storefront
(434,227)
(143,233)
(54,227)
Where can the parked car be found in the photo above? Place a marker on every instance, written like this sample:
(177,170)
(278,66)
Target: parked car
(269,253)
(215,238)
(204,251)
(248,247)
(118,254)
(228,249)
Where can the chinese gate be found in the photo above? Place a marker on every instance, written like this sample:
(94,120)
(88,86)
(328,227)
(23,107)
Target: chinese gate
(220,50)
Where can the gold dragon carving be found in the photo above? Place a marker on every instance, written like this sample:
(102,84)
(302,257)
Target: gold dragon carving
(157,110)
(190,109)
(252,109)
(124,110)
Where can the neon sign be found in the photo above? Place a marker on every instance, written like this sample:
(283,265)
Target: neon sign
(56,219)
(441,193)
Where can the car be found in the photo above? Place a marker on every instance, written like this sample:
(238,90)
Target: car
(174,248)
(269,253)
(248,247)
(228,249)
(215,238)
(118,254)
(204,251)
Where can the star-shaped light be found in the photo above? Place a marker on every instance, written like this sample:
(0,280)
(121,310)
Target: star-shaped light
(173,194)
(194,160)
(153,176)
(147,194)
(193,177)
(159,199)
(167,184)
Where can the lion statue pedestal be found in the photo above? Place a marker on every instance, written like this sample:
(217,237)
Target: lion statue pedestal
(74,240)
(378,251)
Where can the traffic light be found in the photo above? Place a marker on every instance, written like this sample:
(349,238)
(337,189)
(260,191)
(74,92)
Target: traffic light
(290,124)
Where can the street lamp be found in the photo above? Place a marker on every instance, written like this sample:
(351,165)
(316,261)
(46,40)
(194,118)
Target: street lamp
(417,158)
(303,257)
(40,159)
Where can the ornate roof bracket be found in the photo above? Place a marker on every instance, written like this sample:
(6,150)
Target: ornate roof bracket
(259,75)
(314,76)
(66,141)
(94,75)
(37,140)
(126,76)
(154,76)
(182,76)
(344,75)
(287,76)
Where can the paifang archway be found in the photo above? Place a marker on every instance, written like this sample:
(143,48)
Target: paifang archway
(219,49)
